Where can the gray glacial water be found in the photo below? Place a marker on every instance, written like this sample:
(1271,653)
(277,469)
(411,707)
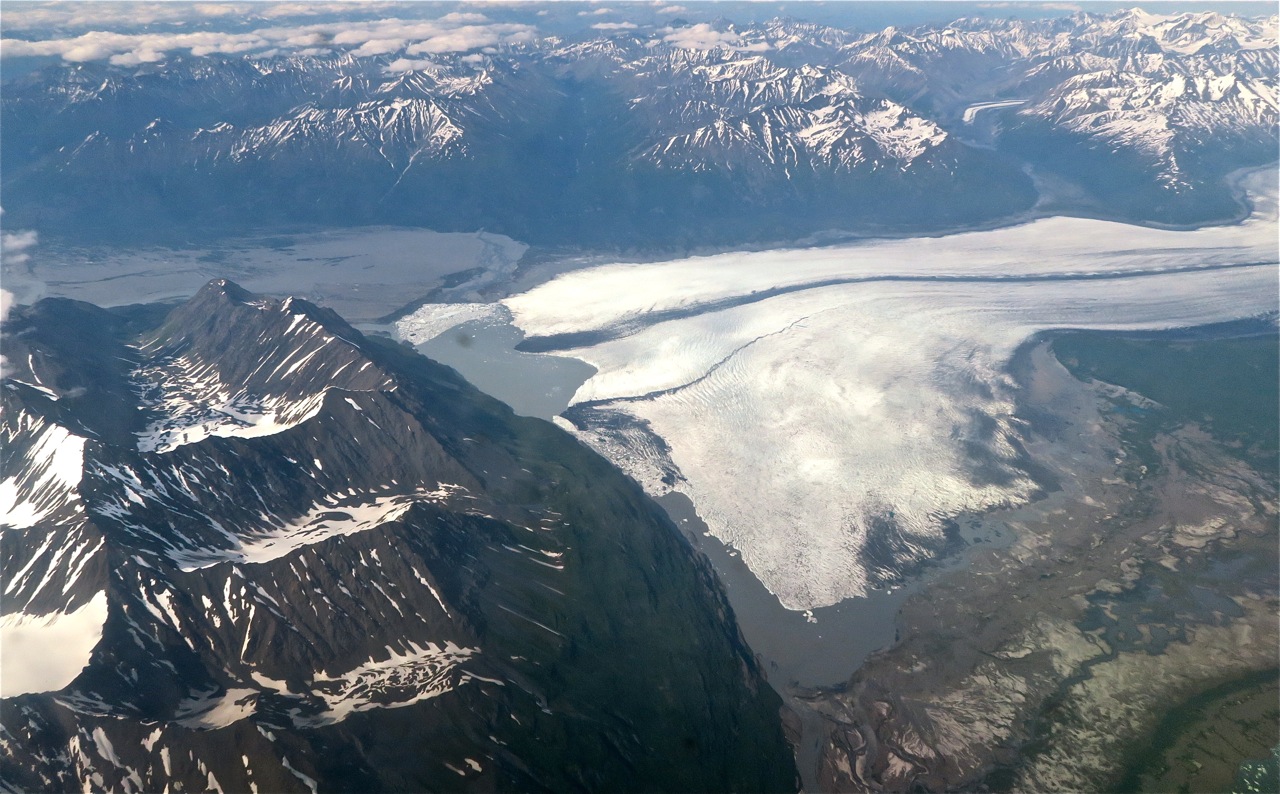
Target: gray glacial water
(818,648)
(483,351)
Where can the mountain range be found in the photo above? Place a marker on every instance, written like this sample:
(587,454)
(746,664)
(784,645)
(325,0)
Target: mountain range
(629,138)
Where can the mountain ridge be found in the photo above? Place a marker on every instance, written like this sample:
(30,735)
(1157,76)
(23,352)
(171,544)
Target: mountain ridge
(407,588)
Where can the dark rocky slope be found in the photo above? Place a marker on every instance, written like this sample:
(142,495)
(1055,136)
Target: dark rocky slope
(331,564)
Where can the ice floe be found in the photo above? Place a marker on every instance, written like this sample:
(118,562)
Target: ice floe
(433,319)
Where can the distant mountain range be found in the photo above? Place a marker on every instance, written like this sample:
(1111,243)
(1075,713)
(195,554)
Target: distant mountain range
(246,548)
(621,139)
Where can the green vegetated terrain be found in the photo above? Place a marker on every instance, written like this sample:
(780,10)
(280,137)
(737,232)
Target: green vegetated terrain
(1229,386)
(1227,737)
(1199,744)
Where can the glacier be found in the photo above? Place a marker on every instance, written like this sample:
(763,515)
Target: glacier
(804,395)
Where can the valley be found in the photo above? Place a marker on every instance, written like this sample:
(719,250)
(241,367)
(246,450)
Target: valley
(621,397)
(680,357)
(1074,440)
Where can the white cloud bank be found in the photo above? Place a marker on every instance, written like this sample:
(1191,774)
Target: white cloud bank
(15,252)
(80,15)
(458,32)
(705,37)
(15,246)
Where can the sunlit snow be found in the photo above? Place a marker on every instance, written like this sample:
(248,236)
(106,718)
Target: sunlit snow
(334,517)
(405,678)
(45,653)
(43,477)
(217,711)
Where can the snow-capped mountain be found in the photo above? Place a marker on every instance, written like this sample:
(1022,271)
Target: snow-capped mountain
(706,133)
(1167,89)
(247,549)
(731,111)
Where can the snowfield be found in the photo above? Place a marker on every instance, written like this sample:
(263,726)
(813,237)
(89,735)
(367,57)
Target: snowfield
(45,653)
(805,395)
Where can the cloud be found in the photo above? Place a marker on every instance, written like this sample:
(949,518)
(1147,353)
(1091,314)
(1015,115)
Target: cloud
(673,10)
(1041,6)
(136,57)
(463,18)
(15,249)
(705,37)
(407,65)
(597,12)
(615,26)
(379,47)
(472,37)
(81,15)
(452,33)
(15,246)
(6,303)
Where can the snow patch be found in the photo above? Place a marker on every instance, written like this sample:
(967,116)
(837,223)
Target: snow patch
(43,474)
(209,711)
(335,517)
(196,405)
(45,653)
(405,678)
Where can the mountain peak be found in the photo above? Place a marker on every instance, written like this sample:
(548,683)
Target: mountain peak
(327,583)
(232,363)
(225,288)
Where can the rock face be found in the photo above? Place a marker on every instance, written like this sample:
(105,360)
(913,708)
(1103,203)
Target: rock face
(271,554)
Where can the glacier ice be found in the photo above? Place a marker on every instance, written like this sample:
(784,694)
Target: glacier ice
(874,383)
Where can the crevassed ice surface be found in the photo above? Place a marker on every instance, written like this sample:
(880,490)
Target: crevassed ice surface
(797,419)
(610,295)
